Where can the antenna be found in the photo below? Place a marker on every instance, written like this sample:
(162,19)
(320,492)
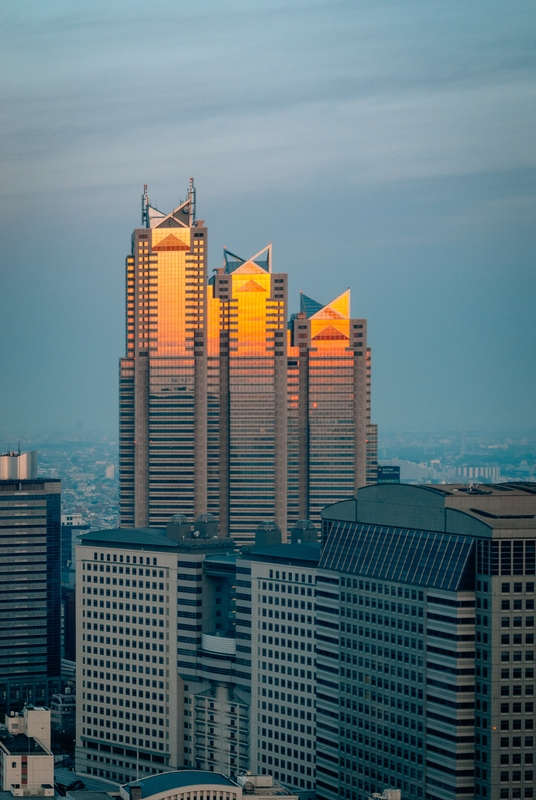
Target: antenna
(191,197)
(145,207)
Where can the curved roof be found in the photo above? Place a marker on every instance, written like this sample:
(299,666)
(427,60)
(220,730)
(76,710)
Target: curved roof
(168,781)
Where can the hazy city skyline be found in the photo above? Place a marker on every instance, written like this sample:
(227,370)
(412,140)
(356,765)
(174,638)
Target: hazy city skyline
(385,143)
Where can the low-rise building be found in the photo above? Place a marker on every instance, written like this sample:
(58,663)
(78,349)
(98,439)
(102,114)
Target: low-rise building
(202,785)
(26,761)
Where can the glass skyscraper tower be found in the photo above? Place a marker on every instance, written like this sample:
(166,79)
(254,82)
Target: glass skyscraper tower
(224,407)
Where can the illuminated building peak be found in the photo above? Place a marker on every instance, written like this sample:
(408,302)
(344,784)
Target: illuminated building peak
(337,309)
(260,262)
(181,217)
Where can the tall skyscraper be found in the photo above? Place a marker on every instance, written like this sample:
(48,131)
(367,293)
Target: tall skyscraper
(30,611)
(224,406)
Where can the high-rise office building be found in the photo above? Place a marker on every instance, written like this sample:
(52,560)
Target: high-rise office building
(329,406)
(145,604)
(30,611)
(224,407)
(425,643)
(278,599)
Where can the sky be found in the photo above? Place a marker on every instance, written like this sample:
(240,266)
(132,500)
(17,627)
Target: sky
(383,146)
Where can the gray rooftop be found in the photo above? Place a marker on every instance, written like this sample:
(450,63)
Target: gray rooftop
(22,745)
(149,539)
(487,511)
(291,554)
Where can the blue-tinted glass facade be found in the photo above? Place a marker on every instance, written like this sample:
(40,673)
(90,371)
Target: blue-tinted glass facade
(421,558)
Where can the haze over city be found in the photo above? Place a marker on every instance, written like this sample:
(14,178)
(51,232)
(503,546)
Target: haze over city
(386,146)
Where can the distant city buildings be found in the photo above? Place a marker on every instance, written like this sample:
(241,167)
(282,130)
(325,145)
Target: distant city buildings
(225,407)
(436,472)
(30,620)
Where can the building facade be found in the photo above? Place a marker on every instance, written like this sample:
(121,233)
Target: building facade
(224,406)
(30,600)
(143,610)
(279,603)
(425,643)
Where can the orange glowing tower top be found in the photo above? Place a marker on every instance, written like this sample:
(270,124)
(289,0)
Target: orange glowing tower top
(247,337)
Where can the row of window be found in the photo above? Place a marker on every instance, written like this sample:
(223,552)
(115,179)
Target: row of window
(124,582)
(516,776)
(394,591)
(517,588)
(516,758)
(516,638)
(150,745)
(517,655)
(289,630)
(517,708)
(517,673)
(297,577)
(115,557)
(505,794)
(517,605)
(517,691)
(288,751)
(516,724)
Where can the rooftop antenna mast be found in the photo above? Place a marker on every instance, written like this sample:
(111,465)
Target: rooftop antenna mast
(145,207)
(191,197)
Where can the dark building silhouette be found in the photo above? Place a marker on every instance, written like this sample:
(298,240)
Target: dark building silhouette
(30,591)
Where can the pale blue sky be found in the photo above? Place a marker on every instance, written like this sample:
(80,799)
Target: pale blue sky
(385,146)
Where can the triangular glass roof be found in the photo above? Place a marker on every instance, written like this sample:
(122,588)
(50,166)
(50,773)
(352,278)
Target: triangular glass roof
(308,305)
(262,259)
(337,309)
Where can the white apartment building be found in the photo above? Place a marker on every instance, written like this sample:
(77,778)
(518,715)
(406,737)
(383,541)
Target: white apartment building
(130,588)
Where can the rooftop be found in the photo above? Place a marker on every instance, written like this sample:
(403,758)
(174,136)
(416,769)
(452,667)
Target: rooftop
(149,539)
(23,745)
(292,554)
(168,781)
(485,510)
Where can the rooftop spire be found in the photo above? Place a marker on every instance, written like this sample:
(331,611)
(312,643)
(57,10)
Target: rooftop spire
(191,197)
(145,207)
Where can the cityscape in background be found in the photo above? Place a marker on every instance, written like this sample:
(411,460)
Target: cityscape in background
(247,587)
(88,463)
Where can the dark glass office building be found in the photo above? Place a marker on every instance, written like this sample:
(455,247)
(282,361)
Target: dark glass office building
(30,615)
